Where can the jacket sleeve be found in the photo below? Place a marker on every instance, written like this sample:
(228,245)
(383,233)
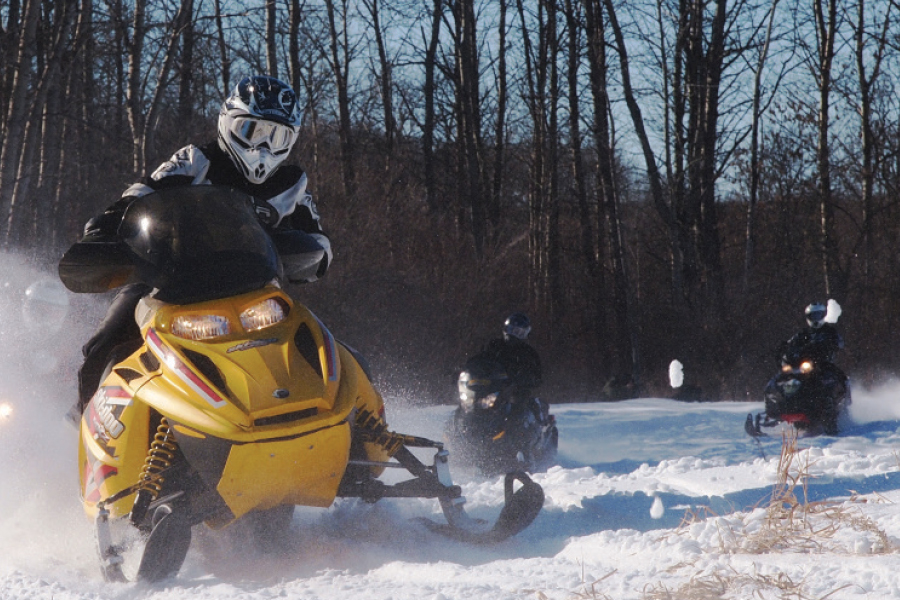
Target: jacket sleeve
(298,211)
(186,167)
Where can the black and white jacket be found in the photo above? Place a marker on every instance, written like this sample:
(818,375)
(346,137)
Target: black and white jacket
(282,201)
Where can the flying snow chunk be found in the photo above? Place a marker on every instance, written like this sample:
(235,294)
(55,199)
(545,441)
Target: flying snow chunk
(676,374)
(834,312)
(657,509)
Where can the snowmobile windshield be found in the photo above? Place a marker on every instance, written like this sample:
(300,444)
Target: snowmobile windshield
(198,243)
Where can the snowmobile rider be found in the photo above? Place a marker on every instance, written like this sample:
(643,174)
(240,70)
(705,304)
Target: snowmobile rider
(520,361)
(819,341)
(257,128)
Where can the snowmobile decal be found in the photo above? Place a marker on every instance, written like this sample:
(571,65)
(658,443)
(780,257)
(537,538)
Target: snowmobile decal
(252,344)
(95,473)
(103,413)
(108,404)
(168,356)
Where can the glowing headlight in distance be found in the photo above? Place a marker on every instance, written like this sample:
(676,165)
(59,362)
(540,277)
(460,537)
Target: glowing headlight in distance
(786,368)
(265,314)
(806,366)
(6,410)
(200,327)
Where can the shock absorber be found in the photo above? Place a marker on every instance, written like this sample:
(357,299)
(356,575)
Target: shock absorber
(160,456)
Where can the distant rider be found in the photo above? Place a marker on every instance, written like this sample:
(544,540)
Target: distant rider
(819,342)
(520,361)
(257,128)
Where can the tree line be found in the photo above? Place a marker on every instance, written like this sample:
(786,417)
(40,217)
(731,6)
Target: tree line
(649,180)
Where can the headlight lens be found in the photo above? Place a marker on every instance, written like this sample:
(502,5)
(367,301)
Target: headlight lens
(265,314)
(200,327)
(806,366)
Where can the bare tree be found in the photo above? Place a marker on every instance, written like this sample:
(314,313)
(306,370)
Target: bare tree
(271,38)
(384,76)
(468,105)
(493,210)
(17,117)
(625,327)
(826,21)
(340,58)
(224,61)
(428,92)
(756,118)
(867,79)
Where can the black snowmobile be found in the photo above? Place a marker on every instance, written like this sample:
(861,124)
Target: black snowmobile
(810,395)
(494,430)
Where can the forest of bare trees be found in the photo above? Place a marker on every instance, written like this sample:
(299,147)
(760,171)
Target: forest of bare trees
(648,180)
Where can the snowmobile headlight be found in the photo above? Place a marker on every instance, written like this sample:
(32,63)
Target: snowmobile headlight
(6,411)
(262,315)
(488,401)
(806,366)
(786,368)
(200,326)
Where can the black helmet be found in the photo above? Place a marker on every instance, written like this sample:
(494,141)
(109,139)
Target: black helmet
(815,314)
(517,325)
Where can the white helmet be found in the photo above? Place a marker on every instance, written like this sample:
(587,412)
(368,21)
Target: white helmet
(517,325)
(258,125)
(815,314)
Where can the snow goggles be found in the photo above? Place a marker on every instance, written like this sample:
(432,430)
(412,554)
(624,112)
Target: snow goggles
(817,316)
(253,133)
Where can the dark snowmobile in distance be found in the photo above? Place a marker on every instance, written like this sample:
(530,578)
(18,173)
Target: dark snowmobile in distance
(809,395)
(493,431)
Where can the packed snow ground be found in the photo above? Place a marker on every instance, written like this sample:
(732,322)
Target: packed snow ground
(652,499)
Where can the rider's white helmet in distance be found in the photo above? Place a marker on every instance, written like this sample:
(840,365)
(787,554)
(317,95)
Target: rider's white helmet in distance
(517,325)
(258,125)
(815,314)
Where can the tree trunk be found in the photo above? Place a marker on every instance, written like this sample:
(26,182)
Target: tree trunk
(556,296)
(271,41)
(340,64)
(224,62)
(186,69)
(627,357)
(493,210)
(20,103)
(133,104)
(428,124)
(750,232)
(826,25)
(469,105)
(535,77)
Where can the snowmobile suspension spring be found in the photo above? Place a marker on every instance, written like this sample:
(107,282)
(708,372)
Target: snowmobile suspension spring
(159,457)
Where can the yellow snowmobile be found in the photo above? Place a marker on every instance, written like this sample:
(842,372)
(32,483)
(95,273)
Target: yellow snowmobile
(237,403)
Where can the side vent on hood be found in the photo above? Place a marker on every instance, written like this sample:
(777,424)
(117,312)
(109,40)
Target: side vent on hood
(307,347)
(206,366)
(150,362)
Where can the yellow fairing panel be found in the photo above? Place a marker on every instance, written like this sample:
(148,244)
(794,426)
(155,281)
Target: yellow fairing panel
(304,471)
(113,425)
